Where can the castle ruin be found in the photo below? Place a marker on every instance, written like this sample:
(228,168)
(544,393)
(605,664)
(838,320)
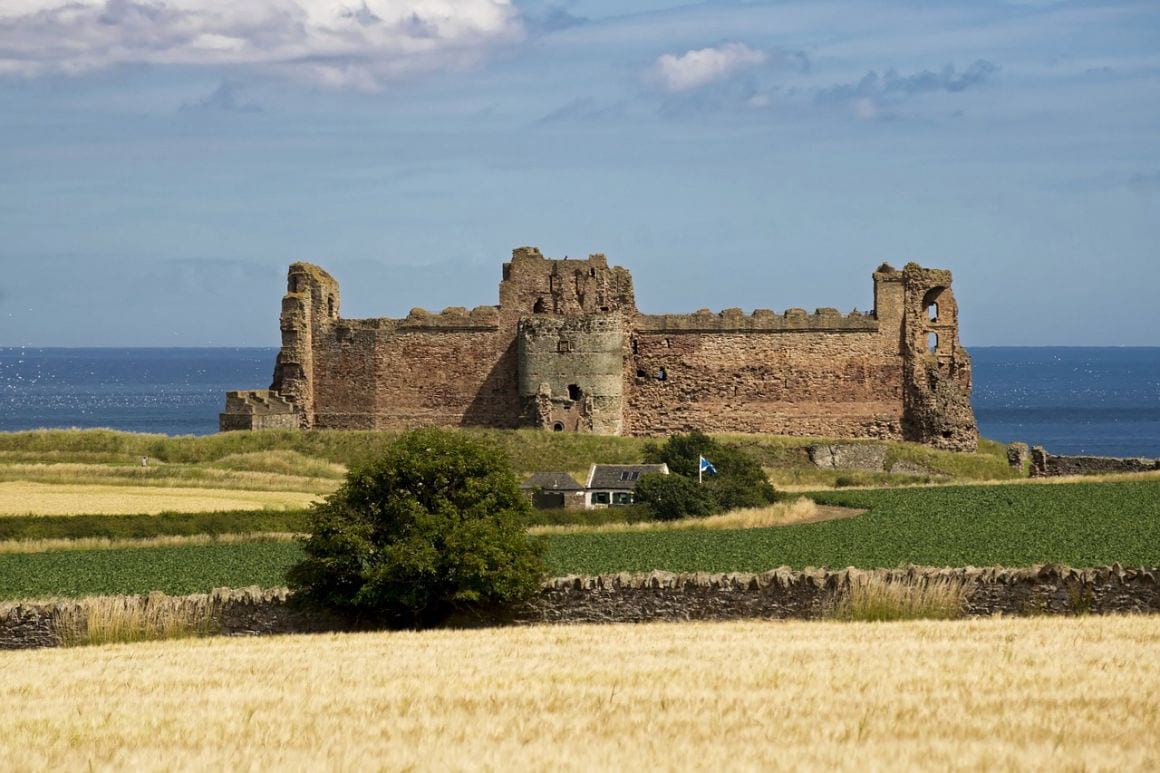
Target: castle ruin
(567,350)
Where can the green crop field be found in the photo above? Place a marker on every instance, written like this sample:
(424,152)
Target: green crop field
(1082,524)
(173,570)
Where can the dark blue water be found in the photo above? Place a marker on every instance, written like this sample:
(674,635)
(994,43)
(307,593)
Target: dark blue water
(1071,400)
(170,391)
(1099,400)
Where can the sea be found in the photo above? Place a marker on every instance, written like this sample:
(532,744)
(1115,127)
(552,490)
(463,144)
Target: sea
(1071,400)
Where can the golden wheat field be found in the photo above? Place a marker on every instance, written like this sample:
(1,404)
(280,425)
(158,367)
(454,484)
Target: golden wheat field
(1041,693)
(30,498)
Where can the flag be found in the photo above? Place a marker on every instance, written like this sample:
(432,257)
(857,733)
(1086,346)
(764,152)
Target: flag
(707,466)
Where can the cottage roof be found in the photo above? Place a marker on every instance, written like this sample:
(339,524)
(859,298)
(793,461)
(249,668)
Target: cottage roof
(621,476)
(552,481)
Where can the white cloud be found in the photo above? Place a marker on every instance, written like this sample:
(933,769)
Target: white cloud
(343,43)
(694,69)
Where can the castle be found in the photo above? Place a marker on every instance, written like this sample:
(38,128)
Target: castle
(567,350)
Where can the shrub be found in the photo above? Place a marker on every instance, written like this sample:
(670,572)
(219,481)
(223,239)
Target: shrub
(669,497)
(740,481)
(434,526)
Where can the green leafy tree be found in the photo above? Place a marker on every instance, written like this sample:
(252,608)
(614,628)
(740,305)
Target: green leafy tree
(739,482)
(436,524)
(669,497)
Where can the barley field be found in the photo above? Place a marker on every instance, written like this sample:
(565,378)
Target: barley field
(1042,693)
(32,498)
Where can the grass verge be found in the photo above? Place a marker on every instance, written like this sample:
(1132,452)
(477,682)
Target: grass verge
(38,527)
(125,619)
(105,543)
(872,599)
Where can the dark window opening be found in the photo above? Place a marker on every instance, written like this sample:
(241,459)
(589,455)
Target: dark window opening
(635,347)
(947,434)
(574,392)
(932,342)
(604,308)
(600,498)
(592,272)
(330,306)
(641,373)
(662,375)
(634,476)
(558,426)
(624,475)
(538,306)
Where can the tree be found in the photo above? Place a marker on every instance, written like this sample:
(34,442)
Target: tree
(739,481)
(669,497)
(436,524)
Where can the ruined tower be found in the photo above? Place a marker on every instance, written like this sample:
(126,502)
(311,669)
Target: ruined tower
(567,350)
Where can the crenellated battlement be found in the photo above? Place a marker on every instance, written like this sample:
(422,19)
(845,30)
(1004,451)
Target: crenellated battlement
(759,321)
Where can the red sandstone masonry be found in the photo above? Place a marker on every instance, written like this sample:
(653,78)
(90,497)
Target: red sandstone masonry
(566,349)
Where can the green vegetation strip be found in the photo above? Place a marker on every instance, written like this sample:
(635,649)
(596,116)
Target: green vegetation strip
(313,454)
(172,570)
(1082,524)
(144,526)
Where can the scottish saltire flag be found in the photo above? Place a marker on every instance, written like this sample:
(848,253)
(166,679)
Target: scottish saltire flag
(707,466)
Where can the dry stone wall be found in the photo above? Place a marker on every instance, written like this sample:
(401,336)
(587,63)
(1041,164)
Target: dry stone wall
(662,596)
(1045,465)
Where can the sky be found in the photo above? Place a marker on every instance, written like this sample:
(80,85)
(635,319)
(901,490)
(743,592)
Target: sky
(163,161)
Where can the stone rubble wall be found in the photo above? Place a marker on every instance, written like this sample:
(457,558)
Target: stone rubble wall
(1045,465)
(663,596)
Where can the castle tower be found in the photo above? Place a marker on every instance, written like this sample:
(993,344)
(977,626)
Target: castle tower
(936,368)
(311,301)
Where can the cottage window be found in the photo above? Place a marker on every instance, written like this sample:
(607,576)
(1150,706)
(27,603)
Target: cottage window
(600,497)
(622,498)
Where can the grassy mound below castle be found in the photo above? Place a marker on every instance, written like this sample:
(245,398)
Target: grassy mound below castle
(316,461)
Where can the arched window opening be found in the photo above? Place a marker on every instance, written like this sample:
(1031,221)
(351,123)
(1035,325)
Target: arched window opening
(932,342)
(538,306)
(933,311)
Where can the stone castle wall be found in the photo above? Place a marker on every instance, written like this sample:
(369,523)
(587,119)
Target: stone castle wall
(567,350)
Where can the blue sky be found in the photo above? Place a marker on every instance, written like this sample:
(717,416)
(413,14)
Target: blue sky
(162,162)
